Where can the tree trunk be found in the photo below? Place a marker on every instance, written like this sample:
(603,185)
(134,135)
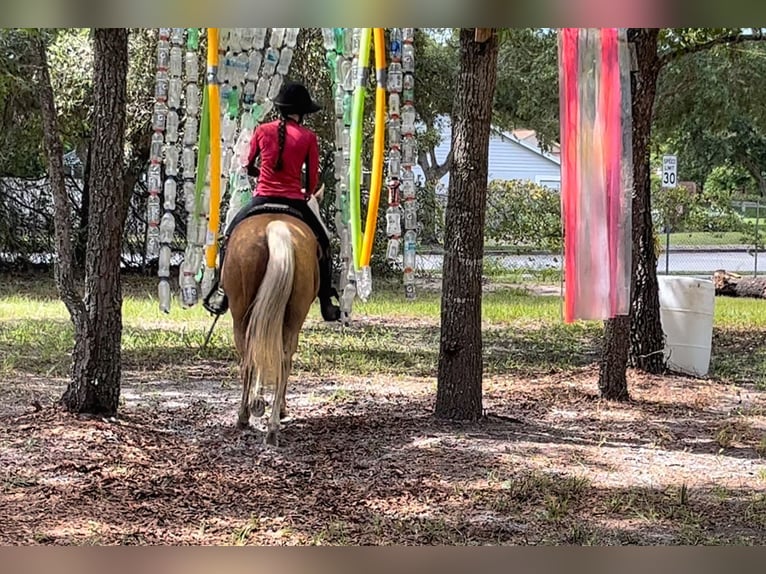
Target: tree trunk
(96,369)
(642,329)
(82,232)
(646,335)
(459,392)
(734,285)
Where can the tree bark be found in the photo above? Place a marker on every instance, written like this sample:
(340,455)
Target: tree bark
(96,370)
(459,387)
(641,330)
(734,285)
(63,268)
(646,335)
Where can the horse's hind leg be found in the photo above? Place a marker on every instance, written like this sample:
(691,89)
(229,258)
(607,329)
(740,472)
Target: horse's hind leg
(272,434)
(258,403)
(243,417)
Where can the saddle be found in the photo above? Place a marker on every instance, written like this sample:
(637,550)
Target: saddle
(270,208)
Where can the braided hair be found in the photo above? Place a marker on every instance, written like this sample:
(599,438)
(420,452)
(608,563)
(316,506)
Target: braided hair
(282,132)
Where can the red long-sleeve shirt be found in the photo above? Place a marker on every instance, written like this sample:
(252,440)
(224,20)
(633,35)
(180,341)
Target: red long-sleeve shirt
(301,147)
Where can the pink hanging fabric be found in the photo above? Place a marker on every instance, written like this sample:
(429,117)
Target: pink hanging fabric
(596,172)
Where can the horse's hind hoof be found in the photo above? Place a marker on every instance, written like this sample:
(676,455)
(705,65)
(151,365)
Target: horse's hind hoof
(258,407)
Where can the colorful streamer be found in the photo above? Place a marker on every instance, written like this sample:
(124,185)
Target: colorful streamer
(596,172)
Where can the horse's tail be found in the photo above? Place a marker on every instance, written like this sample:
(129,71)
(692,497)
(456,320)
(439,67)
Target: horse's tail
(264,342)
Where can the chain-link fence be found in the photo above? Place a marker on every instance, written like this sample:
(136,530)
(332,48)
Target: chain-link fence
(728,237)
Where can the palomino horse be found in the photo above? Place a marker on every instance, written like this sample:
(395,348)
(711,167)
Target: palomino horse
(271,278)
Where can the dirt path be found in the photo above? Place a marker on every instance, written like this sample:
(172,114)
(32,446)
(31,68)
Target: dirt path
(364,462)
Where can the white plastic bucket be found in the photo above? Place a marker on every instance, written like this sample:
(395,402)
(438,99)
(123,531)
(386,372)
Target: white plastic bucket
(686,312)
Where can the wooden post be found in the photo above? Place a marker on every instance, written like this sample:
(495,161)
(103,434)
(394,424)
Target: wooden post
(481,35)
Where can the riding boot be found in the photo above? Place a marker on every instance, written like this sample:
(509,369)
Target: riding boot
(216,301)
(330,311)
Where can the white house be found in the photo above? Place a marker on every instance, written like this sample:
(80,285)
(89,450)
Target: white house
(512,155)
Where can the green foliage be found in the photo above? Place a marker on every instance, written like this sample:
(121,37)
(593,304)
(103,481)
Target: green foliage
(523,213)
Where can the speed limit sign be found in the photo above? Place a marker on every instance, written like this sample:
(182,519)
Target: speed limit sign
(669,170)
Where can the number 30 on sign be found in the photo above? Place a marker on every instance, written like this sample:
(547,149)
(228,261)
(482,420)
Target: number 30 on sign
(669,170)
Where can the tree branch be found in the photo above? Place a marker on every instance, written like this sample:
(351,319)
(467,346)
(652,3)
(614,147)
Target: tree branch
(54,149)
(738,38)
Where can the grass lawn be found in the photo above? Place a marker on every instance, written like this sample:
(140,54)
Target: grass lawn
(364,460)
(703,238)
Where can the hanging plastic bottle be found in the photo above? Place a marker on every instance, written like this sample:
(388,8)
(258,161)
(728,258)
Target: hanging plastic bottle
(192,39)
(167,227)
(408,119)
(163,54)
(393,221)
(253,65)
(408,88)
(161,86)
(188,158)
(408,35)
(175,87)
(409,249)
(394,133)
(259,38)
(270,61)
(171,160)
(155,147)
(392,249)
(169,194)
(176,61)
(364,283)
(192,99)
(348,75)
(291,37)
(394,108)
(394,163)
(159,116)
(177,36)
(262,89)
(189,193)
(152,240)
(154,179)
(246,38)
(395,44)
(407,184)
(408,58)
(277,37)
(276,84)
(410,216)
(190,130)
(192,65)
(328,39)
(153,208)
(163,292)
(187,284)
(395,80)
(409,150)
(164,260)
(285,58)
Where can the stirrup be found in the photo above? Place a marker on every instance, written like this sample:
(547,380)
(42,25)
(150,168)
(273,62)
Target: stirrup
(216,302)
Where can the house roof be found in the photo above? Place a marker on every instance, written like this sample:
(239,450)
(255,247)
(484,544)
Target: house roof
(527,143)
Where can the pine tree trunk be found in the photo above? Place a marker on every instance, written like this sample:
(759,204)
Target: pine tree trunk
(96,360)
(646,335)
(459,389)
(641,333)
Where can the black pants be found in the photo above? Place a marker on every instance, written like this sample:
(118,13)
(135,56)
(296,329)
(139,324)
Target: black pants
(325,261)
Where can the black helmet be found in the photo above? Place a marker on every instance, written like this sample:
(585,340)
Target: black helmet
(294,98)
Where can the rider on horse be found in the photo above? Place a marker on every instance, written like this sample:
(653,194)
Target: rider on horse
(284,146)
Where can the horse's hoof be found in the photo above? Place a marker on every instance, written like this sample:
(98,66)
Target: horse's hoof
(258,407)
(272,438)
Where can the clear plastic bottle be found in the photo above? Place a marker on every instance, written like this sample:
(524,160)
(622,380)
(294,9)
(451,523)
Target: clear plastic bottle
(407,184)
(259,38)
(408,35)
(176,61)
(408,88)
(187,284)
(154,179)
(408,119)
(192,99)
(394,132)
(167,227)
(189,195)
(277,38)
(276,84)
(189,164)
(153,209)
(328,39)
(409,151)
(291,37)
(164,260)
(409,250)
(171,160)
(159,116)
(177,36)
(364,283)
(392,251)
(153,241)
(253,65)
(191,127)
(410,217)
(163,292)
(395,44)
(161,85)
(163,54)
(171,127)
(394,163)
(262,89)
(192,66)
(395,80)
(175,87)
(169,194)
(408,58)
(246,38)
(155,147)
(394,106)
(393,221)
(285,58)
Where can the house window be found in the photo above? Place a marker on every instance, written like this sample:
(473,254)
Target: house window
(549,181)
